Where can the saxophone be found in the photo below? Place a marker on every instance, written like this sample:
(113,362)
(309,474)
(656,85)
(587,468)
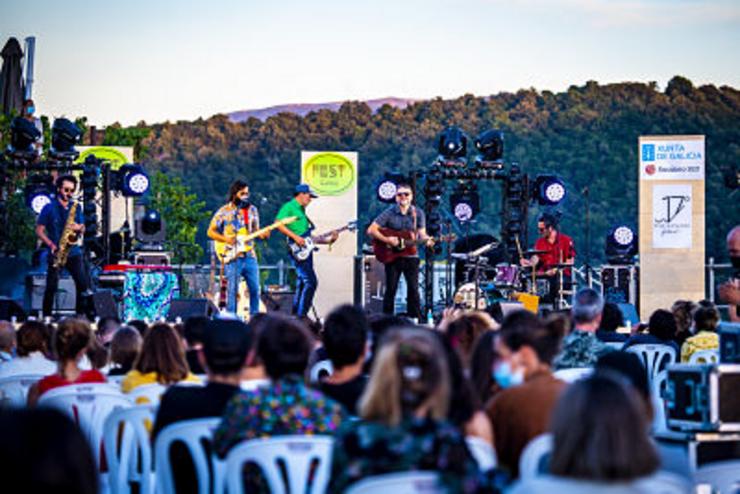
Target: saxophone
(67,239)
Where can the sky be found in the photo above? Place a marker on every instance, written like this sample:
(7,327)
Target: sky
(160,60)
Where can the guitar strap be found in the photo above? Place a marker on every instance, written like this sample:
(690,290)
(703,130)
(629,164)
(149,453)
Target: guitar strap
(413,217)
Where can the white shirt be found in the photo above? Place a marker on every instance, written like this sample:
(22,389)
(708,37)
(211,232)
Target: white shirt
(35,363)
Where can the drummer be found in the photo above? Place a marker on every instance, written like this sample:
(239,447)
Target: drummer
(556,251)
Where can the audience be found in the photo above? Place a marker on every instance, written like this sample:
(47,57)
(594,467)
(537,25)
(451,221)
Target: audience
(7,342)
(287,405)
(124,348)
(161,360)
(611,320)
(729,291)
(683,313)
(706,320)
(43,451)
(253,373)
(71,340)
(193,331)
(661,331)
(521,411)
(464,330)
(33,341)
(107,327)
(581,348)
(481,364)
(345,341)
(403,424)
(600,443)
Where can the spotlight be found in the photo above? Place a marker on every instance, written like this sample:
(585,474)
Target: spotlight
(385,187)
(490,145)
(132,180)
(65,134)
(621,245)
(23,136)
(465,203)
(452,147)
(150,228)
(38,192)
(549,190)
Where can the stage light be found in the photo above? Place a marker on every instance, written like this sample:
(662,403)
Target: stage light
(490,145)
(150,228)
(549,190)
(23,136)
(132,180)
(621,245)
(385,187)
(465,202)
(452,147)
(38,192)
(65,134)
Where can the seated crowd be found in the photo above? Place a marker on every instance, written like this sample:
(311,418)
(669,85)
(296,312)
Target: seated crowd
(399,397)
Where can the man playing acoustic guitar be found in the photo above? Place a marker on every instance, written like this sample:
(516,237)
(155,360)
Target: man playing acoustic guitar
(238,218)
(400,227)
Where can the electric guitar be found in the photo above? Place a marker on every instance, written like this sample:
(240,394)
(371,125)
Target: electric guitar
(301,253)
(228,252)
(406,247)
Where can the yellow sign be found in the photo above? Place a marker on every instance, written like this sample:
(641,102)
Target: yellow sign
(107,153)
(329,174)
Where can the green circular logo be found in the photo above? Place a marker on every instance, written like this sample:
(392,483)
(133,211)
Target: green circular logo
(329,174)
(114,156)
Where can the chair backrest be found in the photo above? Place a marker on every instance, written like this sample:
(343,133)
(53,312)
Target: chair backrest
(724,476)
(530,463)
(148,394)
(116,380)
(654,357)
(320,369)
(297,453)
(616,345)
(128,449)
(194,434)
(14,389)
(656,394)
(406,482)
(573,374)
(704,357)
(89,406)
(483,453)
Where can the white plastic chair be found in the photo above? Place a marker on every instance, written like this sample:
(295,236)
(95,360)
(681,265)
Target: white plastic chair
(88,405)
(704,357)
(573,374)
(483,453)
(616,345)
(319,368)
(656,391)
(14,389)
(724,476)
(531,460)
(115,380)
(128,449)
(193,434)
(655,358)
(148,394)
(406,482)
(297,451)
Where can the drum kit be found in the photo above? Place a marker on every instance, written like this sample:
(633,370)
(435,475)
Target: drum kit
(485,285)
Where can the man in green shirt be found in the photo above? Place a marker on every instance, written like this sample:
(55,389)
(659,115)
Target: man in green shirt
(307,281)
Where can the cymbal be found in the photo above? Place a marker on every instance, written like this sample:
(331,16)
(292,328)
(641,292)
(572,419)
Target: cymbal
(533,252)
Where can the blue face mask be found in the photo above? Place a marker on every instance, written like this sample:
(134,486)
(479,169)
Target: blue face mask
(30,110)
(505,377)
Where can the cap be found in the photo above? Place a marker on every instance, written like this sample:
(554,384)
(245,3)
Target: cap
(225,345)
(304,189)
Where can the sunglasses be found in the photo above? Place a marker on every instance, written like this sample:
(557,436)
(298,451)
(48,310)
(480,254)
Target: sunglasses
(403,194)
(65,189)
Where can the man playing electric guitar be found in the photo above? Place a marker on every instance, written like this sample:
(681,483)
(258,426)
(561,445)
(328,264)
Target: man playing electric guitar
(297,231)
(238,218)
(405,217)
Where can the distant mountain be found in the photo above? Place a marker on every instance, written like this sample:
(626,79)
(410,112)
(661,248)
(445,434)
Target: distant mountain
(302,109)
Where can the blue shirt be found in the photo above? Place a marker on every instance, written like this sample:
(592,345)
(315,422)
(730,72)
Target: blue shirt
(54,217)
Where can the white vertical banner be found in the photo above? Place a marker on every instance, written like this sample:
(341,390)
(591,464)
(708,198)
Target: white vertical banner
(333,176)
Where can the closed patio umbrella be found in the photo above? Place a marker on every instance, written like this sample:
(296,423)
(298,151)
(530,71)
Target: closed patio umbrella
(11,80)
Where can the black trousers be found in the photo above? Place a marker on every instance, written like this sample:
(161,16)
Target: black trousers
(409,267)
(76,267)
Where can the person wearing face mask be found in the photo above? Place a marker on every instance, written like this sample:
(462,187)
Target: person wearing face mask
(28,111)
(729,292)
(525,349)
(239,217)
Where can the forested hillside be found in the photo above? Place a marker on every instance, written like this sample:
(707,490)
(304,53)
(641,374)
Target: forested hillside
(587,135)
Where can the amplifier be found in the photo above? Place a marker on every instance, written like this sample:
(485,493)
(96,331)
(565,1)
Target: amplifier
(703,397)
(64,299)
(369,283)
(153,257)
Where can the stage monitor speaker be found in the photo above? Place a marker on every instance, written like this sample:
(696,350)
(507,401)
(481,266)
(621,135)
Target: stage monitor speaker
(188,307)
(104,304)
(9,309)
(278,301)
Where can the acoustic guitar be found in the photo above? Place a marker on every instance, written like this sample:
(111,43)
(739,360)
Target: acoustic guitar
(407,241)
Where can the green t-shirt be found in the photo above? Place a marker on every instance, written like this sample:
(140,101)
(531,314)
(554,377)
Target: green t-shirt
(292,208)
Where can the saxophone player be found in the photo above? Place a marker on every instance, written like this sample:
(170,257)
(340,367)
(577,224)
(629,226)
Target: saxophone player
(50,225)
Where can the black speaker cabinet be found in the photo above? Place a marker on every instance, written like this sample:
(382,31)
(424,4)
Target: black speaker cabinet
(65,298)
(187,307)
(620,284)
(369,283)
(278,301)
(105,304)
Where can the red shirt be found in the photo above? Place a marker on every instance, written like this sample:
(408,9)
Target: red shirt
(556,253)
(56,381)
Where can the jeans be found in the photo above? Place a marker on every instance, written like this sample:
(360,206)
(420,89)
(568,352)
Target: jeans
(76,267)
(246,267)
(409,267)
(305,286)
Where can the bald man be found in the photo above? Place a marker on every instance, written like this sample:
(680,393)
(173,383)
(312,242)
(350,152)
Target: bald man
(729,292)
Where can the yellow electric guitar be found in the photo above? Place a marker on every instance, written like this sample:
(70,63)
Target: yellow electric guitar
(228,252)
